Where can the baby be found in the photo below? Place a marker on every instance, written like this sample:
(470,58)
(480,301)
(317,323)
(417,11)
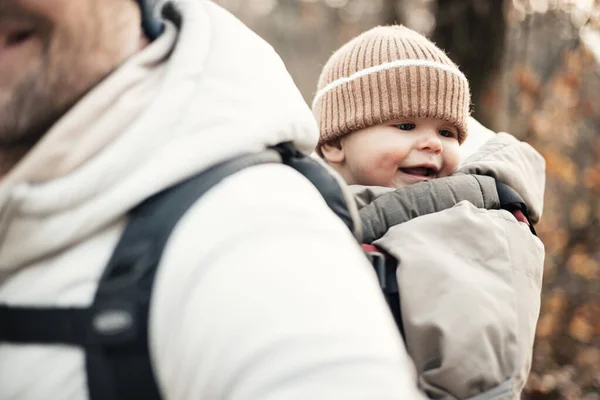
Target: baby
(393,110)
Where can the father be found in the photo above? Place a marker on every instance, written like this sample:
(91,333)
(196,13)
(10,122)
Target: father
(261,291)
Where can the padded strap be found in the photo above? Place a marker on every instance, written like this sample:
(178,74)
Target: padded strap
(327,185)
(114,330)
(402,205)
(120,366)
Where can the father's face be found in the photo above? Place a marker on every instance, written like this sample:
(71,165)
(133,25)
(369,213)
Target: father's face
(52,52)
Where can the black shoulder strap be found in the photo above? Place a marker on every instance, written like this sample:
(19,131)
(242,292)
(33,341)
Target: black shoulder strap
(326,184)
(114,331)
(385,267)
(120,367)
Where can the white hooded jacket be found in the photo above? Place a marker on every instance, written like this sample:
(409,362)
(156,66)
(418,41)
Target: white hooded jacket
(261,292)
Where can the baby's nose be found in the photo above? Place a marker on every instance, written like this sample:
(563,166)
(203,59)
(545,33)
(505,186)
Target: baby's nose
(430,140)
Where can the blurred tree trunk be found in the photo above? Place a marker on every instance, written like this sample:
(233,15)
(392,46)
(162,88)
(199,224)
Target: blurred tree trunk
(473,34)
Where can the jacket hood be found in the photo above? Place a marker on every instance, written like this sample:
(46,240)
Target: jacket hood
(224,92)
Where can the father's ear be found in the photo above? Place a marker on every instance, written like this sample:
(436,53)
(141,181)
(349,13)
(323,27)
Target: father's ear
(333,152)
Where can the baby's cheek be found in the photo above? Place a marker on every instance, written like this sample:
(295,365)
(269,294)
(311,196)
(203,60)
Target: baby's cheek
(390,160)
(451,158)
(385,168)
(374,174)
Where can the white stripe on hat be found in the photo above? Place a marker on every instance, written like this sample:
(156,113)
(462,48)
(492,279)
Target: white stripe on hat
(386,66)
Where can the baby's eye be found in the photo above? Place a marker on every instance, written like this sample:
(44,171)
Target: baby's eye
(406,126)
(447,133)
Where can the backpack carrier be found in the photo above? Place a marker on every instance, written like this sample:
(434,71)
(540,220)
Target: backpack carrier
(113,331)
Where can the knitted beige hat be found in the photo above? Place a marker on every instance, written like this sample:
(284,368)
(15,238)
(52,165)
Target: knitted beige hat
(389,73)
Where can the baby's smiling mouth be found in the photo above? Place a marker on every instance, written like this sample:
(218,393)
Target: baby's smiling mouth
(427,172)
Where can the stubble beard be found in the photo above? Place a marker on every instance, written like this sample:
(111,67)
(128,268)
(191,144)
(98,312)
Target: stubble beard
(67,68)
(40,100)
(37,100)
(64,72)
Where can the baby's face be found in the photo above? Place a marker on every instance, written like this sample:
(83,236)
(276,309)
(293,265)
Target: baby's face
(400,153)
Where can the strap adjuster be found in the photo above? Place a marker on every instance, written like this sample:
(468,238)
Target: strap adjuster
(378,262)
(385,268)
